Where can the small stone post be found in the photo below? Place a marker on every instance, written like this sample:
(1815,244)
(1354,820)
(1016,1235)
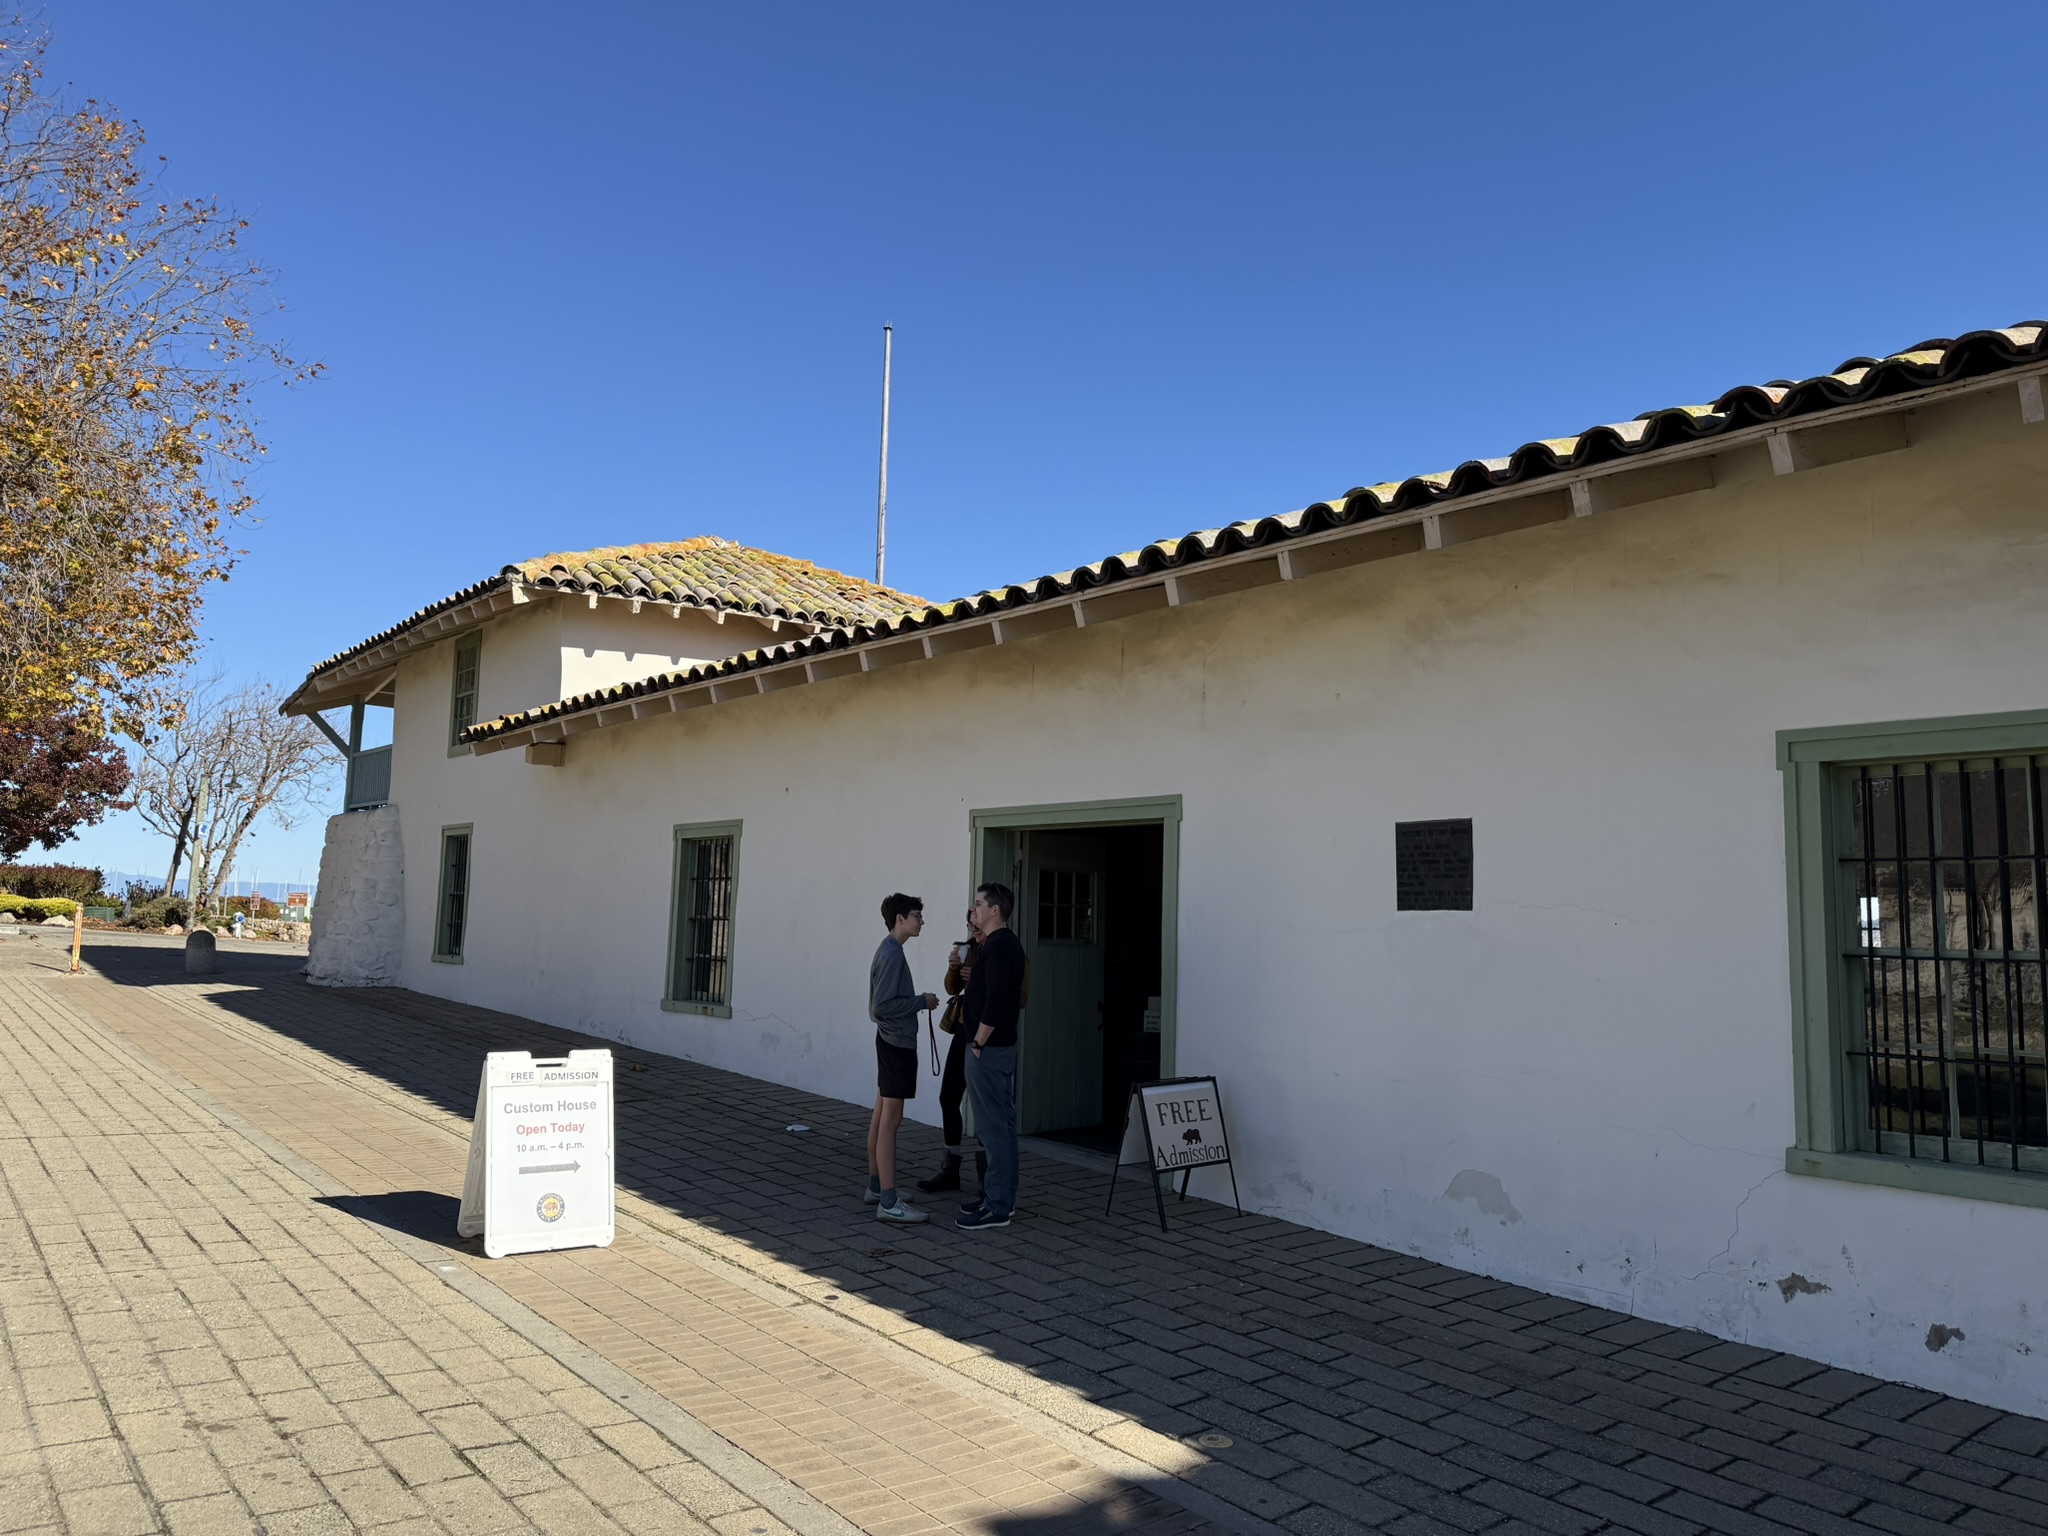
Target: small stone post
(77,934)
(199,953)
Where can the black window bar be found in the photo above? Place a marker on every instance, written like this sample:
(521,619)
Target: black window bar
(1946,869)
(454,892)
(703,975)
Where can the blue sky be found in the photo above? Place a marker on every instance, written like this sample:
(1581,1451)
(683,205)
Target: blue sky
(600,274)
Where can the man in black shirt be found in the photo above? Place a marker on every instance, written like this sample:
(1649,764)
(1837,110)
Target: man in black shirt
(993,996)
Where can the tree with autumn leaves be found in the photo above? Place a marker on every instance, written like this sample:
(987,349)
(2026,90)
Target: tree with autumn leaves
(54,778)
(131,343)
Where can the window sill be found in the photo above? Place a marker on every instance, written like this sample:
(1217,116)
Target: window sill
(706,1010)
(1965,1181)
(447,959)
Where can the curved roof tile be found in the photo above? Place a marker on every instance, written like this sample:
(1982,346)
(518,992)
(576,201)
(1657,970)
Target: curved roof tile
(1860,379)
(704,572)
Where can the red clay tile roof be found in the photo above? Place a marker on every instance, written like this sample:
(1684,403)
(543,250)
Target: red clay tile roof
(700,572)
(717,573)
(1860,380)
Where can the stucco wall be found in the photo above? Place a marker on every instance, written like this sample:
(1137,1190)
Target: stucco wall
(359,924)
(611,644)
(519,663)
(556,645)
(1585,1084)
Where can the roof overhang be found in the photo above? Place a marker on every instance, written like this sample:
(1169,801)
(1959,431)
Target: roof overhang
(1327,536)
(367,674)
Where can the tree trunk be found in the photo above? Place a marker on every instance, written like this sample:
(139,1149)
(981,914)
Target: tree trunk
(195,813)
(178,849)
(227,857)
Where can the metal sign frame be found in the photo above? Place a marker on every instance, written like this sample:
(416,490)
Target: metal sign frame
(498,1161)
(1152,1152)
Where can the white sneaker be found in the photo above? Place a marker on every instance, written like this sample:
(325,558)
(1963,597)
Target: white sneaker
(902,1213)
(871,1197)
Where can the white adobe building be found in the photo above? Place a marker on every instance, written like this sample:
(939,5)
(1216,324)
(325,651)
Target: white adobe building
(1615,867)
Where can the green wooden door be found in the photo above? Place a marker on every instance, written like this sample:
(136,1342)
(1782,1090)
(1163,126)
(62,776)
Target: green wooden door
(1059,899)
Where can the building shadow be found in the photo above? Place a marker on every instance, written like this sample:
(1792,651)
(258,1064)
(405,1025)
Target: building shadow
(1133,1506)
(1290,1356)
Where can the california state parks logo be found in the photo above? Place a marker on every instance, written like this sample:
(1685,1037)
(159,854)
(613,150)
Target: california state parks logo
(550,1208)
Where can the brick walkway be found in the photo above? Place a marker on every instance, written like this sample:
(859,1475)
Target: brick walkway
(193,1342)
(877,1440)
(1357,1388)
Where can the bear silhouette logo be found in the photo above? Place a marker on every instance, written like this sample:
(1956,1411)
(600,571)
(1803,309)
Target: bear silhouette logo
(1191,1136)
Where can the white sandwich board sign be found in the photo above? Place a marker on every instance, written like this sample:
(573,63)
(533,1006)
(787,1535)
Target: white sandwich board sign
(540,1154)
(1174,1126)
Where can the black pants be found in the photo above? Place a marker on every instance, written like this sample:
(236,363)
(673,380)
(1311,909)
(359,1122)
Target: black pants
(953,1088)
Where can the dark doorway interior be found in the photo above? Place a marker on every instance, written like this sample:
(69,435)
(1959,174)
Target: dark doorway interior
(1093,909)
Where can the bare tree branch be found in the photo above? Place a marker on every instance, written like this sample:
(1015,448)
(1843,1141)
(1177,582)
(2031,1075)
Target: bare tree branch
(230,761)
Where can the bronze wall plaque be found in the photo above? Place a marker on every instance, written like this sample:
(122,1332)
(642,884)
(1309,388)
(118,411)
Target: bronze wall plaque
(1433,865)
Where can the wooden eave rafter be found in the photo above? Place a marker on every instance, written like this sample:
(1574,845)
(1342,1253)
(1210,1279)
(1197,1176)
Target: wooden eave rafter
(1827,437)
(368,676)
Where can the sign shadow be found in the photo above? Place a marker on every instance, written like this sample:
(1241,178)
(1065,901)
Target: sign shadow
(425,1214)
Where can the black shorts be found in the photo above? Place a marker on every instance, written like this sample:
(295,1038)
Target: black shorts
(895,1069)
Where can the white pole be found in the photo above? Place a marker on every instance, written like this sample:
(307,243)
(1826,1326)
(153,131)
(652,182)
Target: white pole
(882,494)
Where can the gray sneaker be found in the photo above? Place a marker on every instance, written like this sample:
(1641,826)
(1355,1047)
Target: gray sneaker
(871,1197)
(902,1213)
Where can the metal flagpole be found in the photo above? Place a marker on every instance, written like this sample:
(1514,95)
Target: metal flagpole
(882,493)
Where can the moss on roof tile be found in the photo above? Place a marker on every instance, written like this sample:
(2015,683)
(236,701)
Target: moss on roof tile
(719,573)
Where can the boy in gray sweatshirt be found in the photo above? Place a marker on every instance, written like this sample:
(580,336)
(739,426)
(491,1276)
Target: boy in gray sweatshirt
(893,1004)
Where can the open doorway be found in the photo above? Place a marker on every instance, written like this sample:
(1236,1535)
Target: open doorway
(1096,914)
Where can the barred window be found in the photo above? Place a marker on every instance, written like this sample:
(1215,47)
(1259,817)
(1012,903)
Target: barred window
(701,937)
(1943,865)
(462,706)
(451,915)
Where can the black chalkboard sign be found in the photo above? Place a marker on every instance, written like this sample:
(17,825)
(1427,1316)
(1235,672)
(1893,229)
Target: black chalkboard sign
(1433,865)
(1176,1122)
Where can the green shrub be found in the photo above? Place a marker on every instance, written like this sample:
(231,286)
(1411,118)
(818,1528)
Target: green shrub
(74,882)
(30,909)
(159,913)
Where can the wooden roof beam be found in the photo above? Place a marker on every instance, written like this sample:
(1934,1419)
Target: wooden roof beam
(1038,619)
(964,636)
(1119,602)
(1464,525)
(873,658)
(1371,542)
(1802,448)
(1657,482)
(832,664)
(1197,583)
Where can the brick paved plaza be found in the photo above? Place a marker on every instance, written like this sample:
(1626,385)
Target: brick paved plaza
(233,1302)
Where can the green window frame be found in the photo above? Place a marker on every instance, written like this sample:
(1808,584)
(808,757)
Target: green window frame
(462,694)
(451,906)
(703,908)
(1908,1016)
